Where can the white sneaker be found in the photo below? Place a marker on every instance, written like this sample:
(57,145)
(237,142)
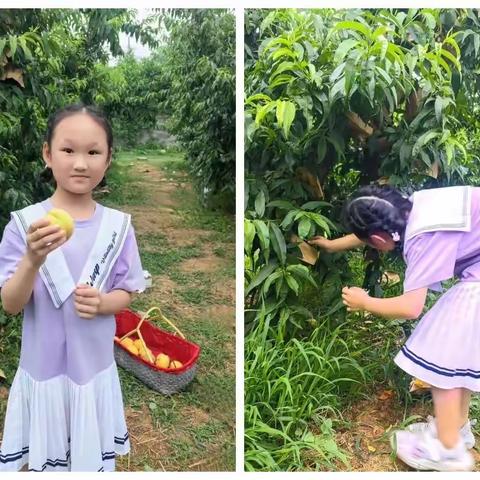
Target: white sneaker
(465,433)
(422,451)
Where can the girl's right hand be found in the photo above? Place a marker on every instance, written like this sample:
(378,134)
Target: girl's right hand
(42,238)
(321,242)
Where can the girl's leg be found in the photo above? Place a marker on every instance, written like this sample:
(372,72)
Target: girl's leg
(465,406)
(448,407)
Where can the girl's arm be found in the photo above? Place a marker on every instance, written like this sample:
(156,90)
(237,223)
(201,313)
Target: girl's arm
(90,302)
(348,242)
(16,291)
(406,306)
(42,238)
(114,301)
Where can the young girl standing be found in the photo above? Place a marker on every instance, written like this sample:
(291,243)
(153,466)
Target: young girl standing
(65,409)
(438,233)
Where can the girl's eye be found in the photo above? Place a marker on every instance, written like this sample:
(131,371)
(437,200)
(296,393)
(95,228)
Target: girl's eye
(67,150)
(93,152)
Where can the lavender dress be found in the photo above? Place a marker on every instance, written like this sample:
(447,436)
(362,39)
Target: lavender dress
(444,348)
(65,408)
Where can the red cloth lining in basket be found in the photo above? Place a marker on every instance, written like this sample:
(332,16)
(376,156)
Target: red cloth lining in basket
(158,341)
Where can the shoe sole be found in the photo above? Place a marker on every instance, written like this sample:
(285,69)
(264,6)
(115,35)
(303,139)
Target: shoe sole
(431,466)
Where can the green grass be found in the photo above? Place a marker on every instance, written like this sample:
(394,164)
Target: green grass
(213,389)
(348,357)
(197,295)
(119,192)
(164,259)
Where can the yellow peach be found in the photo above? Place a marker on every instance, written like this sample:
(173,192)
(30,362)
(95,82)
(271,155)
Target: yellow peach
(163,360)
(60,217)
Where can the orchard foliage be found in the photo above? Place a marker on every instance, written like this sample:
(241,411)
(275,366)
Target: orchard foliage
(336,99)
(200,55)
(49,58)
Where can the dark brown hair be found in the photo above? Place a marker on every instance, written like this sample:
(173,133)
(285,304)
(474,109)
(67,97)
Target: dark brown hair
(65,112)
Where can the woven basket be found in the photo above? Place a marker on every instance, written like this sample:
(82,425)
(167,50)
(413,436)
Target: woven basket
(163,380)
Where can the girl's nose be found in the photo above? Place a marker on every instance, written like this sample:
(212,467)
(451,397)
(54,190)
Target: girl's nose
(80,163)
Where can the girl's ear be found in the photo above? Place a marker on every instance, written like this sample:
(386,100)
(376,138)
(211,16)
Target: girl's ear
(109,159)
(47,157)
(382,241)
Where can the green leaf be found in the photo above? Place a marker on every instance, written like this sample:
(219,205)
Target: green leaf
(321,221)
(283,67)
(249,235)
(438,109)
(280,112)
(278,242)
(429,20)
(303,272)
(423,140)
(261,276)
(388,79)
(349,25)
(337,72)
(344,48)
(292,283)
(263,111)
(3,42)
(451,41)
(260,203)
(304,228)
(271,278)
(13,45)
(285,115)
(26,50)
(267,21)
(288,220)
(264,237)
(283,52)
(255,98)
(321,149)
(337,90)
(448,55)
(281,80)
(449,151)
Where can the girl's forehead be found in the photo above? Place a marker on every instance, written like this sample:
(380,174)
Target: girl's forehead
(78,126)
(77,120)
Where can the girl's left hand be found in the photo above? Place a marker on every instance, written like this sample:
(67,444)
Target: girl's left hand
(354,298)
(87,301)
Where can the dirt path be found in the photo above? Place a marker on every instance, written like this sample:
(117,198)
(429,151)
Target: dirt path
(368,425)
(192,266)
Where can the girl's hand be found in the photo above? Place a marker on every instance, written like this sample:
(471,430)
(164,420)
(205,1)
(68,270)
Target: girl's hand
(42,238)
(354,298)
(321,242)
(87,301)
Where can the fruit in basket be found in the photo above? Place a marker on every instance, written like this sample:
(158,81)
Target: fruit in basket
(132,349)
(176,364)
(138,343)
(162,361)
(60,217)
(127,342)
(146,355)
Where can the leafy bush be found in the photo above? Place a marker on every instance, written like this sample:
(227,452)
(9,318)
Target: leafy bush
(48,58)
(200,54)
(336,99)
